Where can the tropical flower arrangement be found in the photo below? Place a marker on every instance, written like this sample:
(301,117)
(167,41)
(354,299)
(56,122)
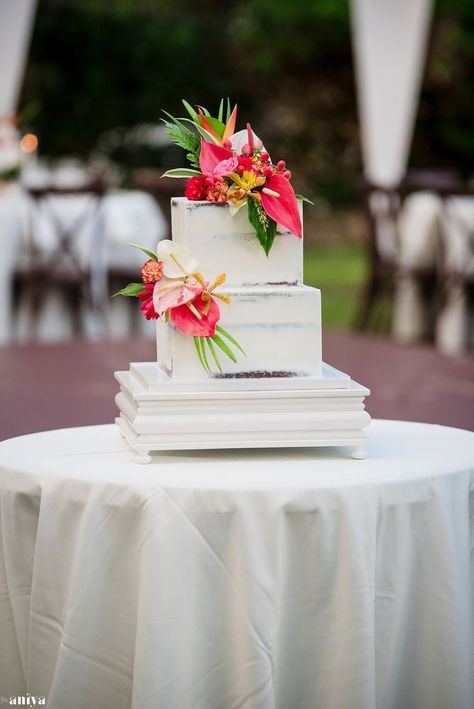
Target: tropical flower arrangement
(234,169)
(173,289)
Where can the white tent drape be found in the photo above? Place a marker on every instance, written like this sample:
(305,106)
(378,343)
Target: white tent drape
(16,20)
(389,38)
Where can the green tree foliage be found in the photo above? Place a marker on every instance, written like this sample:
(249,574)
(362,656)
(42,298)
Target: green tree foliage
(96,64)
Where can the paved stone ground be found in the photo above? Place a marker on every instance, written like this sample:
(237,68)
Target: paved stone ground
(46,386)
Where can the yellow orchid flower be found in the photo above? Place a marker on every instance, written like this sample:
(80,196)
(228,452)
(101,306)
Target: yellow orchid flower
(248,180)
(242,188)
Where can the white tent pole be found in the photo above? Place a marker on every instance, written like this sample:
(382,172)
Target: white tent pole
(16,21)
(389,40)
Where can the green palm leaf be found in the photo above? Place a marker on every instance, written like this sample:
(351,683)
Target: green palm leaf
(213,352)
(229,337)
(224,347)
(204,355)
(197,345)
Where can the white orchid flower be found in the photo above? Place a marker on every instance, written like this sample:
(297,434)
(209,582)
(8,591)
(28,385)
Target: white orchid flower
(178,262)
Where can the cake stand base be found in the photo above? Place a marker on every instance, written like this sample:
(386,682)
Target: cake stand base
(159,414)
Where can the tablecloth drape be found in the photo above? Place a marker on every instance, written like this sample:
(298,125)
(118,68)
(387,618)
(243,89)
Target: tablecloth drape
(254,579)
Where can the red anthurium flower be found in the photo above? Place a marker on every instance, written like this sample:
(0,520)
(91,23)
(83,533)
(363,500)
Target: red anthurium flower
(211,155)
(146,302)
(188,322)
(284,208)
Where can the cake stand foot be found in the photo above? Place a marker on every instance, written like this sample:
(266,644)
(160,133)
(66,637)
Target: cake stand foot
(359,453)
(143,458)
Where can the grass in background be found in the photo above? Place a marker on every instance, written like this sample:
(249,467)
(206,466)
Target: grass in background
(340,272)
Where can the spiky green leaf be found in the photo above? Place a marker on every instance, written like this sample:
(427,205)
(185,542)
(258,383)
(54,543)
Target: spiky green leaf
(224,347)
(132,290)
(183,137)
(203,352)
(302,198)
(213,352)
(197,345)
(204,133)
(149,253)
(230,338)
(193,159)
(221,110)
(190,109)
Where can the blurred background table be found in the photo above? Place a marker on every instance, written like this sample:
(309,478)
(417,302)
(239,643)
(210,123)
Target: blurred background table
(58,237)
(51,386)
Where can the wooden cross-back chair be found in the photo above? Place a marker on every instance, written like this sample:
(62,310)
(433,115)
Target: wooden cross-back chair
(59,267)
(383,208)
(457,266)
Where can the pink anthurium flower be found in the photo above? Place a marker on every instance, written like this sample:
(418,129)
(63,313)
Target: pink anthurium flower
(280,203)
(191,320)
(173,292)
(211,155)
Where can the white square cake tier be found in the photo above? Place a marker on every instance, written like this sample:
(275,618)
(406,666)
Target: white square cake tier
(279,328)
(225,243)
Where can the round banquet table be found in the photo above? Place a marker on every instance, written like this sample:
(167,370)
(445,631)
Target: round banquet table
(267,579)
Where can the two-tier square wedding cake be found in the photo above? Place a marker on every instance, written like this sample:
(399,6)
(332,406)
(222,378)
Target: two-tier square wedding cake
(276,319)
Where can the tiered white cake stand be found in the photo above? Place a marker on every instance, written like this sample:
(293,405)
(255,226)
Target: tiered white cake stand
(158,413)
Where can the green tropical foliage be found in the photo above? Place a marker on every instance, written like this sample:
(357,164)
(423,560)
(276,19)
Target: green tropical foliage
(95,65)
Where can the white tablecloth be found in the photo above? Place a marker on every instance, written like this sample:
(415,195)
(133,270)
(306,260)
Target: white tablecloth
(125,216)
(255,579)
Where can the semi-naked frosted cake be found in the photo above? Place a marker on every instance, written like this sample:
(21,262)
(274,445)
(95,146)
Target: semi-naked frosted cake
(275,318)
(238,333)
